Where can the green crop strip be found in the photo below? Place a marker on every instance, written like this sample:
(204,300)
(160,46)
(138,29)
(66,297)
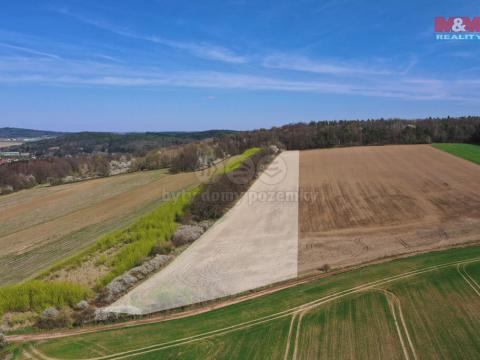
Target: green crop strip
(469,152)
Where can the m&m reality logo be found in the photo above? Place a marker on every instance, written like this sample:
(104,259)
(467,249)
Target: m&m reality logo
(457,28)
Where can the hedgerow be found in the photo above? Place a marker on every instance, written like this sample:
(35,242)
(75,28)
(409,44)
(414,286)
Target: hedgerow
(223,191)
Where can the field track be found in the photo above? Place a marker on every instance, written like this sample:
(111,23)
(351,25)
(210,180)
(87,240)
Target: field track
(379,201)
(295,311)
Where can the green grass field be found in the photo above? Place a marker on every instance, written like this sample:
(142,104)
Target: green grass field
(442,313)
(259,342)
(467,151)
(360,326)
(420,305)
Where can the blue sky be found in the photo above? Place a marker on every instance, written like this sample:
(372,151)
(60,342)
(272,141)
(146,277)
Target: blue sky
(138,65)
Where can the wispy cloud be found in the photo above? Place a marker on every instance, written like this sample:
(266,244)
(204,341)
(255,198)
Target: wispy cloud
(203,50)
(25,63)
(87,73)
(29,51)
(299,63)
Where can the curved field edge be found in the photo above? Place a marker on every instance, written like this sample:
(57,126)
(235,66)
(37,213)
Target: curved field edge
(469,152)
(113,341)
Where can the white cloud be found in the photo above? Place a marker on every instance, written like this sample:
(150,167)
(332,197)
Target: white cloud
(87,73)
(299,63)
(201,50)
(30,51)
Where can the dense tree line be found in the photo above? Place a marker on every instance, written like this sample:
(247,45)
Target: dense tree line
(190,155)
(323,134)
(131,143)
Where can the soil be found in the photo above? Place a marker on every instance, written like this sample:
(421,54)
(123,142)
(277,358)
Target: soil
(381,201)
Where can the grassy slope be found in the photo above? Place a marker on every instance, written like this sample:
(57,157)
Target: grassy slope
(114,341)
(467,151)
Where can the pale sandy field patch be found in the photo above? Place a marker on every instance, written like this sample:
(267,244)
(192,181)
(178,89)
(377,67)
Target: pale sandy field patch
(253,245)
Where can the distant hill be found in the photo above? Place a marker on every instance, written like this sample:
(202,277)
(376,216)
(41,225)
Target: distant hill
(16,133)
(109,142)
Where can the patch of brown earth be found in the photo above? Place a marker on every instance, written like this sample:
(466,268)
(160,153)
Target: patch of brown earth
(364,203)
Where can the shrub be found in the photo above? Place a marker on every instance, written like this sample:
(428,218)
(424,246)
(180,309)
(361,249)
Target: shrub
(38,295)
(325,268)
(62,320)
(83,316)
(3,342)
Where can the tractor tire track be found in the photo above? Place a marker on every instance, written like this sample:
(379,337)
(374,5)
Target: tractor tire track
(468,279)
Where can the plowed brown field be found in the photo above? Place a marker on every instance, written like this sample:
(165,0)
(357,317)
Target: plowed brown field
(42,225)
(374,202)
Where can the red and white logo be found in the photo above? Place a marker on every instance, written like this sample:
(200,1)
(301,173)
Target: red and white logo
(457,28)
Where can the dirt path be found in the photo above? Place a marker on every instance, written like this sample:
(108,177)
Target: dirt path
(289,312)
